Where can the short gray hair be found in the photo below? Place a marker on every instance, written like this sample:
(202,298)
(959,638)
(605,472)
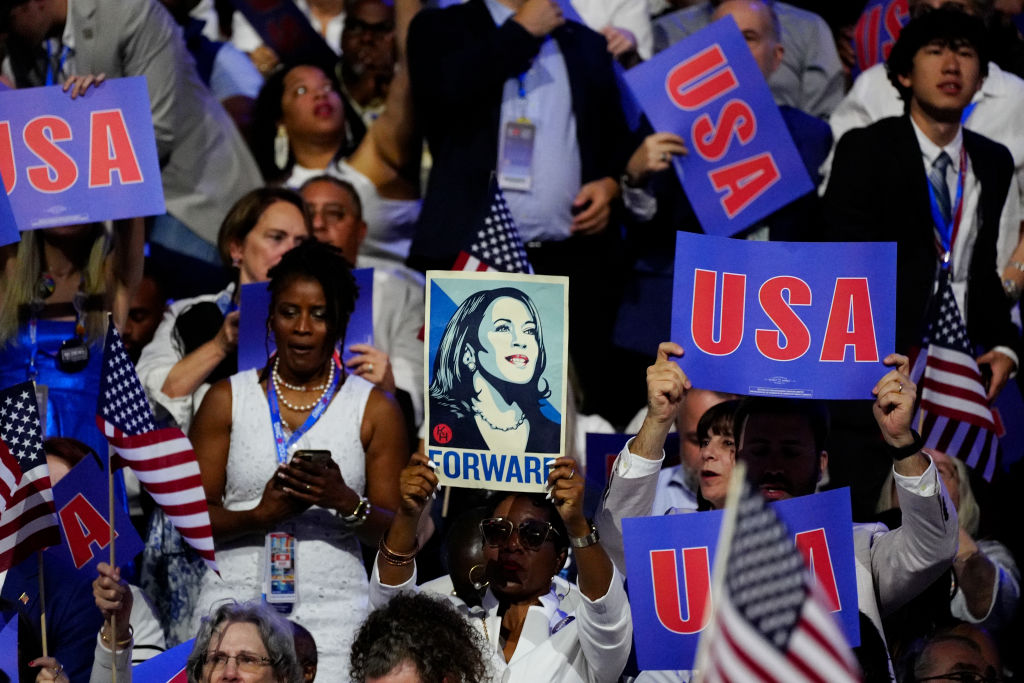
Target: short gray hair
(275,632)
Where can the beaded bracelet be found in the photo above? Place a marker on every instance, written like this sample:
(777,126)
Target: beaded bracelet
(396,559)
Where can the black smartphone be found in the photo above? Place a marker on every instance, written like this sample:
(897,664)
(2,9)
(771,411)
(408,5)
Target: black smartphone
(316,457)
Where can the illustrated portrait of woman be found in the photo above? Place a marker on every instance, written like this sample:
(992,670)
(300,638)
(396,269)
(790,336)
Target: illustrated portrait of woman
(488,377)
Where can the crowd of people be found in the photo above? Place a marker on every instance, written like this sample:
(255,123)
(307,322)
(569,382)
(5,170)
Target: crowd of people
(387,154)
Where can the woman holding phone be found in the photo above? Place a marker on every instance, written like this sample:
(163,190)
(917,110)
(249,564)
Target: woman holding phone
(276,511)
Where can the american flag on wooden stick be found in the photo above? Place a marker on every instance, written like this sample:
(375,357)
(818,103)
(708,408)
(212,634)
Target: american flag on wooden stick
(162,459)
(953,414)
(496,246)
(771,622)
(27,517)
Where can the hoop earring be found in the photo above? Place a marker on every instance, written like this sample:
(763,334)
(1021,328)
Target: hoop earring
(482,582)
(281,149)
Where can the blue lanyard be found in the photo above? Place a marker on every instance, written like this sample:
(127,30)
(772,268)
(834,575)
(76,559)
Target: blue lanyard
(947,231)
(280,442)
(64,51)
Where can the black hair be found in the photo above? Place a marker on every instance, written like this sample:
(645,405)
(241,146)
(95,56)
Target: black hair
(948,26)
(313,260)
(266,114)
(815,412)
(452,384)
(425,631)
(342,184)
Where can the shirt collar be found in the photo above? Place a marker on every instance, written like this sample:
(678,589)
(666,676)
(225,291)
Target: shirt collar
(499,13)
(930,151)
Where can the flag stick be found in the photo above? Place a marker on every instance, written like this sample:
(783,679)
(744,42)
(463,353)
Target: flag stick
(113,559)
(739,474)
(42,604)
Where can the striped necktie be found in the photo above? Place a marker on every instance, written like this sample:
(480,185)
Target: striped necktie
(937,178)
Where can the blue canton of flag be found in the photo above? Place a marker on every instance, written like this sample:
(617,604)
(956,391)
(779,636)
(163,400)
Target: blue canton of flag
(771,623)
(954,415)
(496,246)
(27,521)
(162,459)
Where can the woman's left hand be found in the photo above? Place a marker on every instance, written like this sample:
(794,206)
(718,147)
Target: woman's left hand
(373,365)
(49,670)
(77,85)
(566,492)
(321,485)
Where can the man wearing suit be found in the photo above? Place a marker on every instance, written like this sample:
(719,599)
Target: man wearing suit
(881,188)
(782,443)
(478,71)
(205,164)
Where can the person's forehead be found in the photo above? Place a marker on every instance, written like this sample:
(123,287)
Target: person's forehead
(241,636)
(302,74)
(750,15)
(696,403)
(326,192)
(372,12)
(505,307)
(519,508)
(952,655)
(785,428)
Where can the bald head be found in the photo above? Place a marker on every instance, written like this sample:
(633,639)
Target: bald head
(760,28)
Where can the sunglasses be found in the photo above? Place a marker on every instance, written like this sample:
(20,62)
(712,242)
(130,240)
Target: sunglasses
(531,533)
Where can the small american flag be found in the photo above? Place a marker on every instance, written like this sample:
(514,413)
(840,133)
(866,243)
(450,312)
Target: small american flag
(496,246)
(954,413)
(771,623)
(162,459)
(27,521)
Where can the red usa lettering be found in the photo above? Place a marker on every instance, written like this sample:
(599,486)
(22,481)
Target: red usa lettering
(699,81)
(111,153)
(686,608)
(83,525)
(717,321)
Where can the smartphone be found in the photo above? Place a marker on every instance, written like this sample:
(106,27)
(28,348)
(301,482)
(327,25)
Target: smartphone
(316,457)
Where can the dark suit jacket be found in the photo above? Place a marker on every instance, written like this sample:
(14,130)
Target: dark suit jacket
(458,64)
(878,191)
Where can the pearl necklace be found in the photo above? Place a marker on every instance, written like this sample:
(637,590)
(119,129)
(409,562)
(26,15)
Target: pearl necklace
(519,422)
(279,381)
(323,388)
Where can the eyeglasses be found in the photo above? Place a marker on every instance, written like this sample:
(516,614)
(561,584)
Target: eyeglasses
(249,663)
(532,533)
(963,677)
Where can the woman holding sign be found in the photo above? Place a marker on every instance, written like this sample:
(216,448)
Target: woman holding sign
(536,625)
(300,462)
(488,377)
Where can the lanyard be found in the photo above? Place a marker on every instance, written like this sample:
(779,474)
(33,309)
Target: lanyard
(280,442)
(947,231)
(64,51)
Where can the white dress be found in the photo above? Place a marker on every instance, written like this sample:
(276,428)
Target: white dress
(331,578)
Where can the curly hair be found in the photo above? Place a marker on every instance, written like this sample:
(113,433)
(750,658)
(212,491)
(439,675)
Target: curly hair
(424,631)
(313,260)
(275,632)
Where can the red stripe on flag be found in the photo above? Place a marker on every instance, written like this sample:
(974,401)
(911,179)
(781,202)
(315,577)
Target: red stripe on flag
(935,405)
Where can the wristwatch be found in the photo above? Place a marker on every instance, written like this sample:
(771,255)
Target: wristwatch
(359,515)
(584,541)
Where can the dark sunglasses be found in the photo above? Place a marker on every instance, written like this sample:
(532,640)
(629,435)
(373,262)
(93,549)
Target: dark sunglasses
(532,533)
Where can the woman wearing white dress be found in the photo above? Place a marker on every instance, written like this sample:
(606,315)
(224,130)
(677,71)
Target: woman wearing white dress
(250,426)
